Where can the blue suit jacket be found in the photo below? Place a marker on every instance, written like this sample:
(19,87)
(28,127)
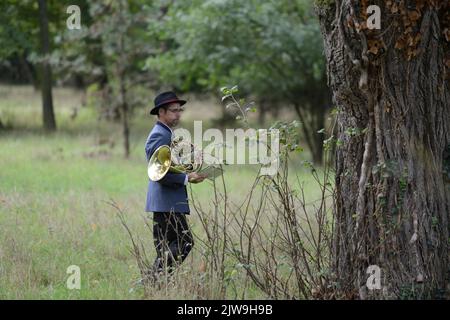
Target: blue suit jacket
(168,194)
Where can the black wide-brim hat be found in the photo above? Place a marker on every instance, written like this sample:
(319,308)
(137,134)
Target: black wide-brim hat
(165,98)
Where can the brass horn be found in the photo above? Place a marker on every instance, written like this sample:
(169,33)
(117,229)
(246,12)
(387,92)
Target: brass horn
(159,163)
(180,157)
(166,159)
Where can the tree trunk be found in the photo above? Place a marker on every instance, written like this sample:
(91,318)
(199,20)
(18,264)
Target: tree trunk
(312,120)
(319,120)
(391,89)
(28,69)
(262,112)
(124,113)
(122,85)
(46,81)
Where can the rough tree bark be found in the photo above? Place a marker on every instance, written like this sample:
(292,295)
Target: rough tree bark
(392,92)
(46,81)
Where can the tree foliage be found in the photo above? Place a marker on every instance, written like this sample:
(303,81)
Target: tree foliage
(270,48)
(273,50)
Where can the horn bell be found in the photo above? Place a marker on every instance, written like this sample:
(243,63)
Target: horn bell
(159,163)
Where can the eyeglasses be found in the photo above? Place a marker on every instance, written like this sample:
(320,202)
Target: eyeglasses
(176,110)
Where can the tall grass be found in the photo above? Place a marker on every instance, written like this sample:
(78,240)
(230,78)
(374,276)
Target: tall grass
(55,192)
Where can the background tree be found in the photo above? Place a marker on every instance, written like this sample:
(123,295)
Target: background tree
(392,93)
(48,114)
(82,58)
(118,29)
(19,35)
(117,34)
(273,50)
(26,33)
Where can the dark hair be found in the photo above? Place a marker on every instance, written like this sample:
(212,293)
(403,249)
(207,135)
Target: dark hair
(162,107)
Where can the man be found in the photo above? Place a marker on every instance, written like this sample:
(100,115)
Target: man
(167,198)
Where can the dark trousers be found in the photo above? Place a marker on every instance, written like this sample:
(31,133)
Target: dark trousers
(173,241)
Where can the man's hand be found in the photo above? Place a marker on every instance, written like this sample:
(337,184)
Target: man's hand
(194,177)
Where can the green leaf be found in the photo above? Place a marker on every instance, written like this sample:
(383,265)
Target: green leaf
(224,90)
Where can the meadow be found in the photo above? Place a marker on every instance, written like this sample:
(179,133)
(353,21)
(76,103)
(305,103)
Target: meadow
(55,195)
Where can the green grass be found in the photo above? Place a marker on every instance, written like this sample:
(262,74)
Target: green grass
(54,194)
